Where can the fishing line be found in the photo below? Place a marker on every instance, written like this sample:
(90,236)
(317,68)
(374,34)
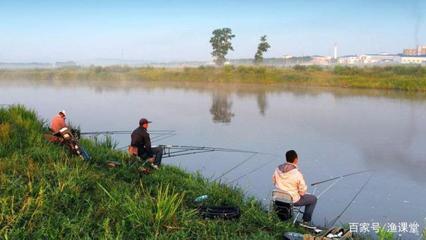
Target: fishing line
(252,171)
(236,166)
(350,203)
(329,187)
(162,137)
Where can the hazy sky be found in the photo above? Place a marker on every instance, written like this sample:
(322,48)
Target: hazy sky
(180,30)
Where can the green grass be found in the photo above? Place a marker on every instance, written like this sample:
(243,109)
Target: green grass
(45,193)
(407,78)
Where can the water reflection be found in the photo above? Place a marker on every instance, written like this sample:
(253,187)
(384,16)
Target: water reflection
(262,102)
(221,108)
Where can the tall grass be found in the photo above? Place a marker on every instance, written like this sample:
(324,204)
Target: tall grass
(408,78)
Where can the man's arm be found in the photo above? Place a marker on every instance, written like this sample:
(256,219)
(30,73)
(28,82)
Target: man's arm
(147,142)
(302,188)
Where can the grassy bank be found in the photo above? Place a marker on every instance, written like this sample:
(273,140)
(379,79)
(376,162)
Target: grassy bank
(47,194)
(408,78)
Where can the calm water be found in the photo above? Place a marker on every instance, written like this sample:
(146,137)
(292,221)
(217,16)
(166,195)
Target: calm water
(334,131)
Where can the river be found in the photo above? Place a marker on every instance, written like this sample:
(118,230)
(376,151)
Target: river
(334,131)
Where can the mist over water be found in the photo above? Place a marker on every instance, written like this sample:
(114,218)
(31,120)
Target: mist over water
(334,131)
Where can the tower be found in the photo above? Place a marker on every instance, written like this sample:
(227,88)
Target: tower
(335,50)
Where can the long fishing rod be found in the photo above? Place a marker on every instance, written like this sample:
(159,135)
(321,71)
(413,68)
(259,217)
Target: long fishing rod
(215,148)
(343,176)
(169,155)
(254,170)
(117,132)
(236,166)
(350,203)
(336,180)
(178,150)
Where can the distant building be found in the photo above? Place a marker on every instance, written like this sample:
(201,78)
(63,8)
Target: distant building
(413,59)
(410,52)
(421,50)
(350,59)
(320,60)
(379,59)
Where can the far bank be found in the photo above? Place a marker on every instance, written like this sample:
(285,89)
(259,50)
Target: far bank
(405,78)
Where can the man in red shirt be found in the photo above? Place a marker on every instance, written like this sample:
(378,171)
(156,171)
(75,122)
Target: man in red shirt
(58,122)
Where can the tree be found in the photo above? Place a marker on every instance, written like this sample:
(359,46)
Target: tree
(261,48)
(221,44)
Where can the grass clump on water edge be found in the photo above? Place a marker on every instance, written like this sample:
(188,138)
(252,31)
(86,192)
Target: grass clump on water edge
(45,193)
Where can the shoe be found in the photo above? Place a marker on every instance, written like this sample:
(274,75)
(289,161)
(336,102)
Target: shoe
(156,167)
(307,225)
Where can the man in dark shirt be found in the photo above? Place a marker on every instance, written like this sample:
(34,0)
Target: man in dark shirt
(142,141)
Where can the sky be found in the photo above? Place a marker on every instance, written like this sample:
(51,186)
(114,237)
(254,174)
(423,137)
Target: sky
(164,31)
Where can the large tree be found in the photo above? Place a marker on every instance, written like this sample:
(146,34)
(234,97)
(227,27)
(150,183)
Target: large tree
(261,48)
(221,44)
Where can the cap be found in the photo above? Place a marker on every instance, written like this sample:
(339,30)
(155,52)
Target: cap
(63,112)
(143,121)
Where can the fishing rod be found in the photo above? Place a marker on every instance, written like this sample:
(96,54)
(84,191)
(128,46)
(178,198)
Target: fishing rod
(118,132)
(350,202)
(236,166)
(255,169)
(181,150)
(336,180)
(339,177)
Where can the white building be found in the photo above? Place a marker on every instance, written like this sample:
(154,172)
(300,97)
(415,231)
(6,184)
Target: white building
(379,58)
(351,59)
(373,59)
(413,59)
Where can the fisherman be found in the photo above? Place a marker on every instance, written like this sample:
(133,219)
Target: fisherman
(58,122)
(287,177)
(142,142)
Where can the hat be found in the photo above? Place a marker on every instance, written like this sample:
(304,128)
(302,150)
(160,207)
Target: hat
(143,121)
(63,112)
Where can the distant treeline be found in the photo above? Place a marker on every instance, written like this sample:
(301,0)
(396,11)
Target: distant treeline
(410,78)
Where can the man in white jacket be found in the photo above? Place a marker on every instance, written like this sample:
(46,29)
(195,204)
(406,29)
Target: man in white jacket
(287,177)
